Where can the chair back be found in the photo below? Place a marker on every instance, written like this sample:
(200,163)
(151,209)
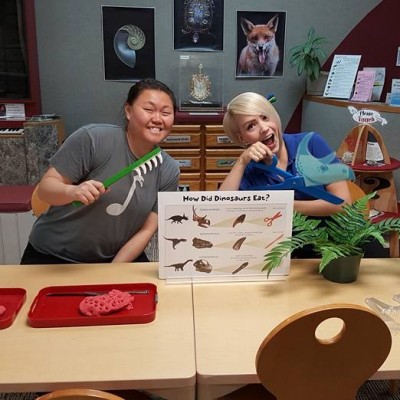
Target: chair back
(38,205)
(294,363)
(79,394)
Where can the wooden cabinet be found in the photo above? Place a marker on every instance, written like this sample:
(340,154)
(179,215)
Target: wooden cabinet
(205,155)
(184,144)
(220,155)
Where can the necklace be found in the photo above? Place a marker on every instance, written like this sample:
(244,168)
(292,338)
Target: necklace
(128,139)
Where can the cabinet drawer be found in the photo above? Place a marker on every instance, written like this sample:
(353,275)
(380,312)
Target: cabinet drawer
(221,160)
(183,136)
(189,182)
(188,159)
(214,180)
(216,137)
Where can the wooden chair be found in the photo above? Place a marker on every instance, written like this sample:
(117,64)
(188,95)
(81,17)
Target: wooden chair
(294,362)
(91,394)
(38,205)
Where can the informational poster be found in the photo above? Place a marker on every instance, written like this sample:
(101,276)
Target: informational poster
(341,76)
(222,236)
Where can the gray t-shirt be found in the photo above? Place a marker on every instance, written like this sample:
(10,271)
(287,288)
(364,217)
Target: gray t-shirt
(96,232)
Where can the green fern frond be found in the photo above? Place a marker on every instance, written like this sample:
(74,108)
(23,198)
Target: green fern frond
(344,234)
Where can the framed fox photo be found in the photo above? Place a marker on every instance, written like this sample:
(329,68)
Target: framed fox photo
(260,44)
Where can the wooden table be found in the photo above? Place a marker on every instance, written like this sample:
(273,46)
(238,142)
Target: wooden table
(157,356)
(232,319)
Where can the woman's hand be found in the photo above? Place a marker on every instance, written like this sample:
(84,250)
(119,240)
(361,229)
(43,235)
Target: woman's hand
(257,152)
(57,190)
(86,192)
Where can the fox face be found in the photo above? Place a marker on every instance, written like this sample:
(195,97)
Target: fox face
(261,54)
(260,37)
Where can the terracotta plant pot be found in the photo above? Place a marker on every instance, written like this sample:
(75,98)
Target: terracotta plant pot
(343,269)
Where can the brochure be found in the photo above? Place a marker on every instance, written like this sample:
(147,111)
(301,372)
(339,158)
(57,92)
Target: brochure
(380,73)
(364,86)
(395,93)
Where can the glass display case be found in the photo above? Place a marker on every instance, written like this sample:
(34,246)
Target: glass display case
(200,82)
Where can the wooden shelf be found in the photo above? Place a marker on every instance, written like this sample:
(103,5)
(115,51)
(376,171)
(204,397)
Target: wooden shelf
(345,103)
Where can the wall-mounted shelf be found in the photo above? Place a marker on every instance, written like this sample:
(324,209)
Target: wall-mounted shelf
(377,106)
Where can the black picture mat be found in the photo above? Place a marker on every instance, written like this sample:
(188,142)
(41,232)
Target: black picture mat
(212,41)
(113,19)
(262,17)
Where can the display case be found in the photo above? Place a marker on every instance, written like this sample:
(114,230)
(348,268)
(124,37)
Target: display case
(200,82)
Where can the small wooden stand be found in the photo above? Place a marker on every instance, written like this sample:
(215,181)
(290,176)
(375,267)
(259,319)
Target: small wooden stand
(372,178)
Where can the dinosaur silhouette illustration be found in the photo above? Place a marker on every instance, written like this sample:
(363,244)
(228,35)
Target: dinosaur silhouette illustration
(178,218)
(175,241)
(178,266)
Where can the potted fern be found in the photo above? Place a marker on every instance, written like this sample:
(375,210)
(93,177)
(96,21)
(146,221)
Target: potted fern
(307,59)
(341,237)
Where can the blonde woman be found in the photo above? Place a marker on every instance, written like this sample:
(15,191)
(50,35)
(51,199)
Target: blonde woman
(252,122)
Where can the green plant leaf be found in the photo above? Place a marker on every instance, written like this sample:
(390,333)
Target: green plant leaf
(342,234)
(307,57)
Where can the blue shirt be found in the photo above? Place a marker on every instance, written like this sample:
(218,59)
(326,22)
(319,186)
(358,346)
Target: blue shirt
(256,177)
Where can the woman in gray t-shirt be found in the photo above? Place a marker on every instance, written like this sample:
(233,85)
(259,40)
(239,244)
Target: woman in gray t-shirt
(114,224)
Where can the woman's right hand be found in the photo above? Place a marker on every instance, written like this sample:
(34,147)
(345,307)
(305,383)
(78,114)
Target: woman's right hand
(87,192)
(57,190)
(257,152)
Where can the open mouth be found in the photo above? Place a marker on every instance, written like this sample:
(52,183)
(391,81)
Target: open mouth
(269,141)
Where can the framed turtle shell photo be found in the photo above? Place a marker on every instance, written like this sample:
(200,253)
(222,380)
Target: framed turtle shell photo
(200,82)
(198,25)
(128,39)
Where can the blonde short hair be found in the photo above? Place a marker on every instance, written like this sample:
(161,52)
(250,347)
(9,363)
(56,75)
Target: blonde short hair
(248,103)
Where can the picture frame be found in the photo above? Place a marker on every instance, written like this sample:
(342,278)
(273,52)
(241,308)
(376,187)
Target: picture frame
(258,57)
(198,25)
(129,43)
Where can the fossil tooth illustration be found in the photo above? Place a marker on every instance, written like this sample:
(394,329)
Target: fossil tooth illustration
(239,243)
(244,265)
(239,220)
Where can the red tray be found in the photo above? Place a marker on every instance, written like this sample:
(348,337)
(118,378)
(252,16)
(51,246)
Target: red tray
(63,310)
(12,299)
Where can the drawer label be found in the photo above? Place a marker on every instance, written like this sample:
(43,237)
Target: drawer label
(225,163)
(177,139)
(224,140)
(185,163)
